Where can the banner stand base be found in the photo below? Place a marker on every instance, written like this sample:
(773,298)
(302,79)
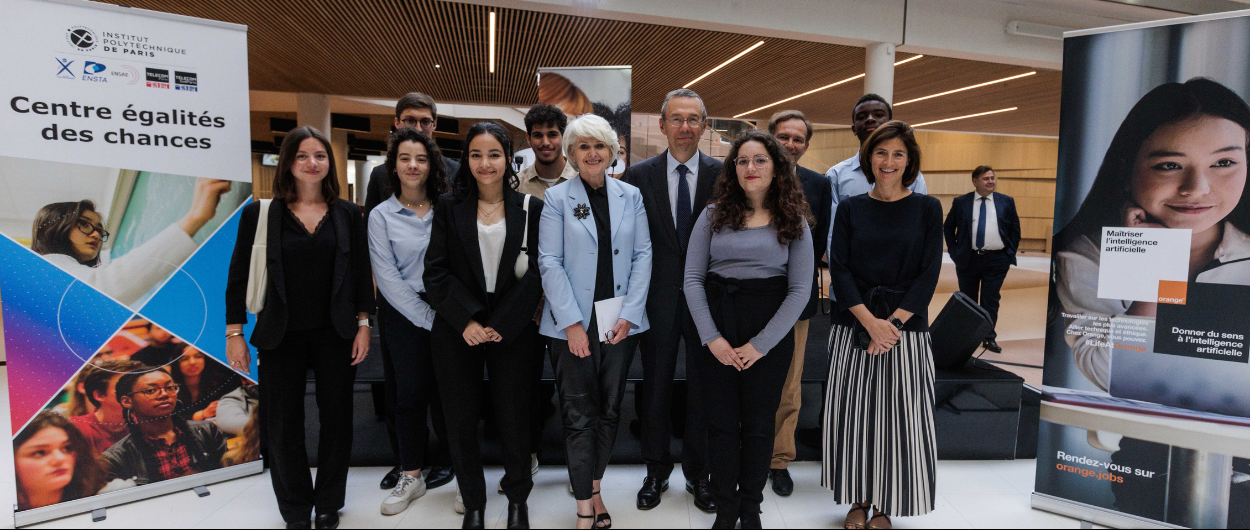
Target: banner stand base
(1092,514)
(96,504)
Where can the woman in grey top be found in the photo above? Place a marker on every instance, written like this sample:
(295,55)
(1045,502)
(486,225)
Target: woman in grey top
(748,277)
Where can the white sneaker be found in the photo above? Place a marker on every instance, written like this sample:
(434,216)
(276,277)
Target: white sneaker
(458,505)
(533,470)
(409,489)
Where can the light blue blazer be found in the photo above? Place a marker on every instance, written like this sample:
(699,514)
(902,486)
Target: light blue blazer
(568,250)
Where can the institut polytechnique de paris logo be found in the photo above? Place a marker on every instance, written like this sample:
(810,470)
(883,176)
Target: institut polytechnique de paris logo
(81,38)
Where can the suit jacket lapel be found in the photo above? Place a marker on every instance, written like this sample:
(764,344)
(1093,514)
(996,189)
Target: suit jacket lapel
(616,204)
(703,188)
(659,186)
(342,237)
(465,214)
(577,199)
(514,217)
(273,248)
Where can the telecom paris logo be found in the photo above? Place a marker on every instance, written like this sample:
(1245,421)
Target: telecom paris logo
(81,38)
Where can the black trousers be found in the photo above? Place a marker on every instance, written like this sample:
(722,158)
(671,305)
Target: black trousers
(981,278)
(459,368)
(660,348)
(414,391)
(742,405)
(591,390)
(283,383)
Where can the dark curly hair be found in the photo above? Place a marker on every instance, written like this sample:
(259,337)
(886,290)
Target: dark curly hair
(785,200)
(544,114)
(464,184)
(435,180)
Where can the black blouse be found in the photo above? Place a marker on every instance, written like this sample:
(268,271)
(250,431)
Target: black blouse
(896,245)
(308,266)
(603,229)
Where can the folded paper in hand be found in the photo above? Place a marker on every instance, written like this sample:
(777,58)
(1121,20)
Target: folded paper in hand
(607,312)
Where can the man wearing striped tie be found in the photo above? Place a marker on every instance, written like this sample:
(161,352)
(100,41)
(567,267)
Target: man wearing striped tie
(982,234)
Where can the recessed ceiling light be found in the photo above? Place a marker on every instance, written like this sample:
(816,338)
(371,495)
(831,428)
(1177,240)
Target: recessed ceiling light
(965,117)
(948,92)
(438,66)
(722,65)
(492,42)
(831,85)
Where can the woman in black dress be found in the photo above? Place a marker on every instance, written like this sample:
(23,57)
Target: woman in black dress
(880,449)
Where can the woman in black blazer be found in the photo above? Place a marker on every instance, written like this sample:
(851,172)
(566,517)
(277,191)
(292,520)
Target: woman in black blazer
(484,299)
(317,303)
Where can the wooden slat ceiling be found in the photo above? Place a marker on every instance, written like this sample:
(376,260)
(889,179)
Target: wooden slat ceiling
(385,48)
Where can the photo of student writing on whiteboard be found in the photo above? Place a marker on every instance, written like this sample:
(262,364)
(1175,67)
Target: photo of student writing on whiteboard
(71,235)
(54,463)
(1177,161)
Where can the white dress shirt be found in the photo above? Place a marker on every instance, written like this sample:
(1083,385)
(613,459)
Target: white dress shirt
(692,178)
(993,239)
(490,243)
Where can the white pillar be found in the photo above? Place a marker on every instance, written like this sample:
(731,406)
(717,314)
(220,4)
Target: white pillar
(314,110)
(879,70)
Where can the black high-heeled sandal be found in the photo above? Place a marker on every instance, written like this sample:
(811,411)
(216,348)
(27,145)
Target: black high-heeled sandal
(599,518)
(580,516)
(879,515)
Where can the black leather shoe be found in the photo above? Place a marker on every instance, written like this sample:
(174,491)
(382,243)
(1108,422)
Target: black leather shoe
(518,515)
(751,518)
(726,521)
(649,495)
(703,498)
(474,519)
(993,346)
(327,521)
(391,479)
(439,476)
(299,526)
(783,485)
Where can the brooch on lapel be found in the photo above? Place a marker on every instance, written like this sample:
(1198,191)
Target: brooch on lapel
(581,211)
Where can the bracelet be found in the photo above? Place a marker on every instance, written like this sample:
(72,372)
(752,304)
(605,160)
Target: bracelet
(230,334)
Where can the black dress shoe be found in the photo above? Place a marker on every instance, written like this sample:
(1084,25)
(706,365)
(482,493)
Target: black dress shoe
(439,476)
(725,521)
(474,519)
(993,346)
(518,515)
(391,479)
(703,498)
(751,518)
(783,485)
(299,526)
(649,495)
(327,521)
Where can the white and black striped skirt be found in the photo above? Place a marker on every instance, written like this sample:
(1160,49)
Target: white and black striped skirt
(879,442)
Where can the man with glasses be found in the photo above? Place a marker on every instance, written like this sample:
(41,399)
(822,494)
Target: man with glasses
(415,110)
(160,446)
(676,186)
(792,129)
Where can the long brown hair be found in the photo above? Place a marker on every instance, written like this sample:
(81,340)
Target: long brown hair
(785,200)
(89,475)
(248,447)
(284,180)
(50,232)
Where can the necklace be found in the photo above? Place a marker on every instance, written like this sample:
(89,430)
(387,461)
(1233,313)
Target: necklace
(412,206)
(489,213)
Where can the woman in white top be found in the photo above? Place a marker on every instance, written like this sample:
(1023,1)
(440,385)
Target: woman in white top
(71,236)
(399,234)
(1177,161)
(481,277)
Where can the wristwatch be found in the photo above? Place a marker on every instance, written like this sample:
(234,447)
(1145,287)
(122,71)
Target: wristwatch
(364,323)
(896,322)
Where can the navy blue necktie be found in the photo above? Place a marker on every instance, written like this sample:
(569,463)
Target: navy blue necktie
(981,226)
(683,205)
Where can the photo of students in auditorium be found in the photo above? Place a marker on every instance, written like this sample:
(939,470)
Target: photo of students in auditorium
(105,426)
(160,445)
(54,463)
(246,442)
(202,381)
(163,347)
(484,290)
(72,234)
(315,317)
(1178,160)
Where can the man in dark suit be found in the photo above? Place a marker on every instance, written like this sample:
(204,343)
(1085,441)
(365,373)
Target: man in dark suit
(793,131)
(418,111)
(982,234)
(675,185)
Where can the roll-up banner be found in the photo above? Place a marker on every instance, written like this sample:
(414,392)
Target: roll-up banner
(124,163)
(601,90)
(1147,367)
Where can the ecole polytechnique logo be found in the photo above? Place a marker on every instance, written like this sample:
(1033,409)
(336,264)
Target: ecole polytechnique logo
(64,71)
(81,38)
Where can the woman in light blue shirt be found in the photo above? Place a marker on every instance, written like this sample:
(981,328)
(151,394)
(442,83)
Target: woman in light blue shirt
(594,245)
(399,234)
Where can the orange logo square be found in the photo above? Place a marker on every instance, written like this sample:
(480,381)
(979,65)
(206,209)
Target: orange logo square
(1171,292)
